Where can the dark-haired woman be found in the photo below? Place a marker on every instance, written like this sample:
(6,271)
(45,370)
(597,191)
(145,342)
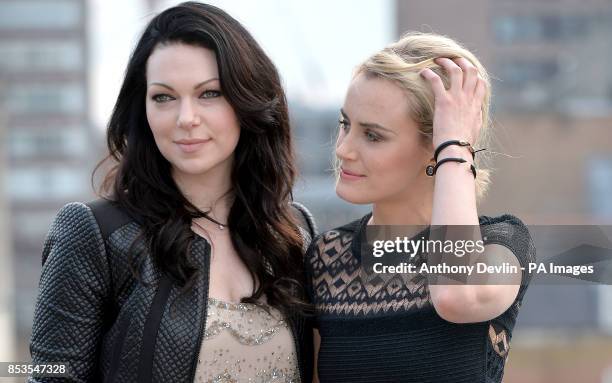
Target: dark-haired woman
(190,269)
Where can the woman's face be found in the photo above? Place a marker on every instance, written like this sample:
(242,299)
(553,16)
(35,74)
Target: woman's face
(381,152)
(194,126)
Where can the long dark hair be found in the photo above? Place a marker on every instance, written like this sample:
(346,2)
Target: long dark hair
(264,232)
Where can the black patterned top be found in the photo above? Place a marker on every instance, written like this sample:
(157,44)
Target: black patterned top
(377,329)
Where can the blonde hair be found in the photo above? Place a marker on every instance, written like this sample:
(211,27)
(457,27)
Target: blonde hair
(401,63)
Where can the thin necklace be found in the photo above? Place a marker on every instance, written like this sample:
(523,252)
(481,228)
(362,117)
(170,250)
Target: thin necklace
(219,224)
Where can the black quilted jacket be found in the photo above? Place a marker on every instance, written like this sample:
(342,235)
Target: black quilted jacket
(93,314)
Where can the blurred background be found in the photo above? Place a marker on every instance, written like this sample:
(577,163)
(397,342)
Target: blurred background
(62,62)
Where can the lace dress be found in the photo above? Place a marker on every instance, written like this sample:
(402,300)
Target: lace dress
(377,328)
(245,342)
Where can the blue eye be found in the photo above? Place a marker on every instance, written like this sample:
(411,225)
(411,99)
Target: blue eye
(372,137)
(210,94)
(162,98)
(343,124)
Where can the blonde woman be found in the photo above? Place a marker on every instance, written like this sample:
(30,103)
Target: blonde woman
(421,95)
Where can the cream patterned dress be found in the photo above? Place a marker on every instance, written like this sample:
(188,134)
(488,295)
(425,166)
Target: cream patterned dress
(246,342)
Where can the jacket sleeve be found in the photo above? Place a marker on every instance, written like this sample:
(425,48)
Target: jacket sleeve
(307,223)
(74,287)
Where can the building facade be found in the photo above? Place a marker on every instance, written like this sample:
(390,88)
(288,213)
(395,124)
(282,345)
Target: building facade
(43,66)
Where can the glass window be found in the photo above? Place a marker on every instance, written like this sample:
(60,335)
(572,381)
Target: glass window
(52,141)
(599,178)
(37,14)
(36,183)
(538,28)
(51,55)
(47,98)
(510,29)
(520,72)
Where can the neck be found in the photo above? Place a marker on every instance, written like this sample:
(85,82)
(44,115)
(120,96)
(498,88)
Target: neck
(410,208)
(208,192)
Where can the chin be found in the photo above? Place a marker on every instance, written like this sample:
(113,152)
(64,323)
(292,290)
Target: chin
(192,169)
(351,195)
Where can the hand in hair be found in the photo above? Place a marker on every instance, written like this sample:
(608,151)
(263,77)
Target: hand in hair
(458,110)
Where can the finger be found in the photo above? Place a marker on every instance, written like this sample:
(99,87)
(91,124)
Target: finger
(435,81)
(454,72)
(470,74)
(481,90)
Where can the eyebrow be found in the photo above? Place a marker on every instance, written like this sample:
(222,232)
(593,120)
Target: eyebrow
(195,87)
(370,125)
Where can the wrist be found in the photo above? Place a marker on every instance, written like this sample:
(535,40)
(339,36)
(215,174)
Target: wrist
(456,151)
(439,140)
(456,160)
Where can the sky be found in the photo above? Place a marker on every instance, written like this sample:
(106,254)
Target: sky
(315,44)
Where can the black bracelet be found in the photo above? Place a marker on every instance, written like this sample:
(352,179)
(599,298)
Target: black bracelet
(454,142)
(452,159)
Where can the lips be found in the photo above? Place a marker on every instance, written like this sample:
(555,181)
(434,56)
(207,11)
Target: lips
(192,141)
(191,145)
(350,175)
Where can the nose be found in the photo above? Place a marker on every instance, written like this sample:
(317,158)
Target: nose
(345,148)
(188,117)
